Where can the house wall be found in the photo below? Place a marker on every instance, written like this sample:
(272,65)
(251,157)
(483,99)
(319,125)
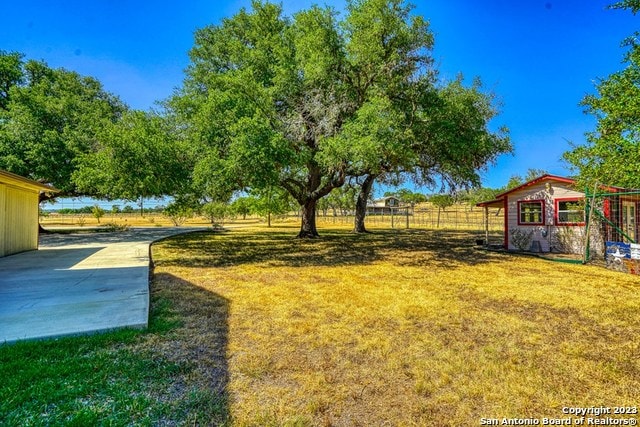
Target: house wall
(18,219)
(548,235)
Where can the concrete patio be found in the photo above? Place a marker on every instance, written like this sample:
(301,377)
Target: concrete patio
(78,283)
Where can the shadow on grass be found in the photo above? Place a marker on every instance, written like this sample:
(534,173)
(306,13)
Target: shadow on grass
(334,248)
(174,373)
(200,339)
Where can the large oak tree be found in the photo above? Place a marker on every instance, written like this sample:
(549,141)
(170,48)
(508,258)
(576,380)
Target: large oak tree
(305,102)
(267,98)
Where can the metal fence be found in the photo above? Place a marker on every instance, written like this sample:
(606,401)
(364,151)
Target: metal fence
(612,219)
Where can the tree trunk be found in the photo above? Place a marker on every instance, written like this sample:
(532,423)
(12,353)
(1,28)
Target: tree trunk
(308,226)
(361,204)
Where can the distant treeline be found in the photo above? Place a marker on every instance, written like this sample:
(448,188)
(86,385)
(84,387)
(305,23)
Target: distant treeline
(115,209)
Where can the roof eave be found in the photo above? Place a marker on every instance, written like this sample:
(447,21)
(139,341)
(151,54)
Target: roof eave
(20,181)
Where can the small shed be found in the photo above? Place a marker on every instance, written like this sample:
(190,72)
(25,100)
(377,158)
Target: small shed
(543,215)
(19,200)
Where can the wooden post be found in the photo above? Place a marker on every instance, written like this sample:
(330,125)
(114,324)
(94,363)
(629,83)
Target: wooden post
(486,225)
(406,210)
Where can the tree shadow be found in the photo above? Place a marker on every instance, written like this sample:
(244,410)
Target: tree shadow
(334,248)
(199,323)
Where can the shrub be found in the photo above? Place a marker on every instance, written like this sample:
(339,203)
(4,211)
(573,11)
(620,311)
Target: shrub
(112,226)
(178,213)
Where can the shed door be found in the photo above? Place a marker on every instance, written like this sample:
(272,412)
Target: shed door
(629,219)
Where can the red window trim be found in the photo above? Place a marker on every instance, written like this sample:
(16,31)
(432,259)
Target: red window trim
(541,201)
(556,221)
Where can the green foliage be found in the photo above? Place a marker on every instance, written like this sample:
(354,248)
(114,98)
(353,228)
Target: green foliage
(11,74)
(179,211)
(216,212)
(242,206)
(114,227)
(271,201)
(97,212)
(342,200)
(453,138)
(612,151)
(476,195)
(49,119)
(634,5)
(127,209)
(138,156)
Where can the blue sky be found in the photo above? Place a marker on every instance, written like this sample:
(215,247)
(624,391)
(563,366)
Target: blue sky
(539,57)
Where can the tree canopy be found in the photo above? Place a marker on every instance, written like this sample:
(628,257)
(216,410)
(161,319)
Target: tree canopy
(303,102)
(49,118)
(138,156)
(611,154)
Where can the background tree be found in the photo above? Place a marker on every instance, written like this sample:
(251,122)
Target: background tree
(97,212)
(216,212)
(442,201)
(341,200)
(178,210)
(242,206)
(518,180)
(612,151)
(49,119)
(473,196)
(271,201)
(11,74)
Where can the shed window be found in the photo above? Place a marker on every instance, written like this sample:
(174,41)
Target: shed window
(569,212)
(531,212)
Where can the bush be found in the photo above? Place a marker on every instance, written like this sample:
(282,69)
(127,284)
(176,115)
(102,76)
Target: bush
(112,226)
(178,213)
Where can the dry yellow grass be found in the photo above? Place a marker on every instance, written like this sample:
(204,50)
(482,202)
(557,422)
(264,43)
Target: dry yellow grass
(395,328)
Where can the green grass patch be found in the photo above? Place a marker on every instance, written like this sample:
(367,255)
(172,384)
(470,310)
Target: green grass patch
(116,379)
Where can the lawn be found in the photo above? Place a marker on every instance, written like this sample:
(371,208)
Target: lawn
(252,327)
(398,327)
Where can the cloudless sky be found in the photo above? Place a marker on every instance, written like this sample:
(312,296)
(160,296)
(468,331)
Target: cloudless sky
(540,57)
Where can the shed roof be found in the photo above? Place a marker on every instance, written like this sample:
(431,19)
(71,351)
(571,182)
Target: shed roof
(498,201)
(22,182)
